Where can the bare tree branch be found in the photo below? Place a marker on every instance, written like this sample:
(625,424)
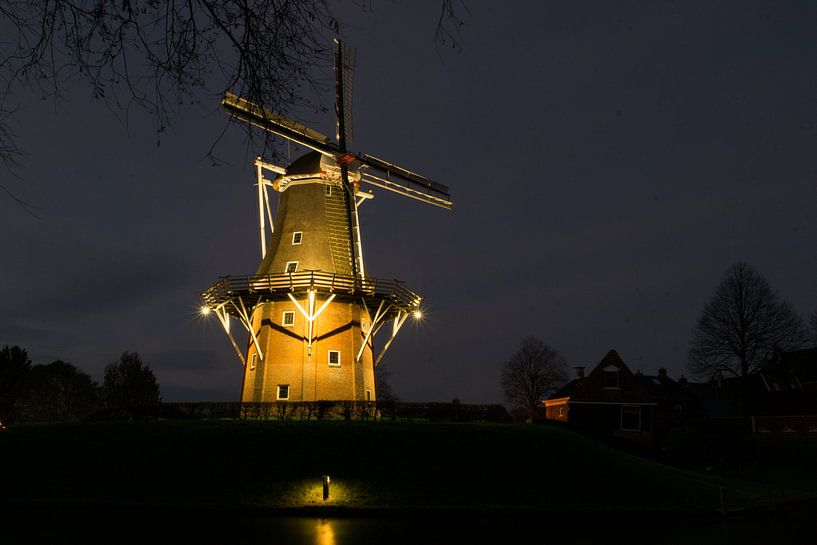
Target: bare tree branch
(160,55)
(812,322)
(447,33)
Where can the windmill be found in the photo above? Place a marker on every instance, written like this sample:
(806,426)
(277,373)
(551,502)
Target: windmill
(310,310)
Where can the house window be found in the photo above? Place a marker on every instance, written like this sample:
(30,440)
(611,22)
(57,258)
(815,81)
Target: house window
(561,411)
(630,418)
(289,318)
(611,379)
(292,266)
(252,362)
(297,236)
(334,358)
(283,391)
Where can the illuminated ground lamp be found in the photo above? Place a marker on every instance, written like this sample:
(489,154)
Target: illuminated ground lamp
(325,479)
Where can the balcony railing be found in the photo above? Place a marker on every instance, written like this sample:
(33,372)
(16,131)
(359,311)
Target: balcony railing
(270,286)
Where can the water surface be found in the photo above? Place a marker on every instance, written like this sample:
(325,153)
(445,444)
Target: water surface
(91,526)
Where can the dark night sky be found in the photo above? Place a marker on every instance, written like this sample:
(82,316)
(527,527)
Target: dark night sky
(607,162)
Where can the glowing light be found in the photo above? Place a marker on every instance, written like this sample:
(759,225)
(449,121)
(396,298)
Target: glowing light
(418,314)
(205,311)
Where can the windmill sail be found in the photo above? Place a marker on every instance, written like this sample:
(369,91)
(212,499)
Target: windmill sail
(269,121)
(345,66)
(389,176)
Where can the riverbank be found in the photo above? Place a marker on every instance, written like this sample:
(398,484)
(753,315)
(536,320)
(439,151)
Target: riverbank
(375,468)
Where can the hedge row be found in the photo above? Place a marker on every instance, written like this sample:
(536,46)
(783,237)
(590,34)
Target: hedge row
(310,410)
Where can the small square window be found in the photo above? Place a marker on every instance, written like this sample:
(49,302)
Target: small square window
(289,318)
(283,391)
(334,358)
(292,266)
(252,362)
(297,236)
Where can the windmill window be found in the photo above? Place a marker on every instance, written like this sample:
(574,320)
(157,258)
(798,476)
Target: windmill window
(297,236)
(630,418)
(334,358)
(283,391)
(252,362)
(288,319)
(368,395)
(292,266)
(328,189)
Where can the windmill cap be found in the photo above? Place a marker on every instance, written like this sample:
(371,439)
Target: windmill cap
(317,164)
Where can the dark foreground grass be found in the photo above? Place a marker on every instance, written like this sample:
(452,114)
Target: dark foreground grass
(786,467)
(380,465)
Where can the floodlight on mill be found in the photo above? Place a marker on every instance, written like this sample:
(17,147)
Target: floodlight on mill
(310,310)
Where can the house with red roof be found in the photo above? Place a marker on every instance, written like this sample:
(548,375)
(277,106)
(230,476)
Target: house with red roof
(612,399)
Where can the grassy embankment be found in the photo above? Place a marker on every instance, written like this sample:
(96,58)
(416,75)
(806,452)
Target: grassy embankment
(786,467)
(372,465)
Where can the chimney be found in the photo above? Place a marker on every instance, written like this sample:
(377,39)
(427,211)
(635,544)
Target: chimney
(662,373)
(579,372)
(682,380)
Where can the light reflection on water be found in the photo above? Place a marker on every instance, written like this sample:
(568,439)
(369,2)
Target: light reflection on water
(91,527)
(325,534)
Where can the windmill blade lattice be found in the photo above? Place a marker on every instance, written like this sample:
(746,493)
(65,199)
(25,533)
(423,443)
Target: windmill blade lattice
(347,61)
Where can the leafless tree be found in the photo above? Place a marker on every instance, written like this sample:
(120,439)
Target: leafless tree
(533,372)
(382,386)
(812,322)
(159,55)
(741,325)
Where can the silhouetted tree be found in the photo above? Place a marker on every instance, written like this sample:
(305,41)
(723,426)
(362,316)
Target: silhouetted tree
(533,372)
(129,383)
(812,321)
(14,366)
(382,386)
(162,55)
(57,392)
(741,325)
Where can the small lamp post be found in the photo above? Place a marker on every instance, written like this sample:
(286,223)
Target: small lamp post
(325,479)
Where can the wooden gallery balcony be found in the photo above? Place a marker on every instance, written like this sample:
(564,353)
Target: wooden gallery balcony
(249,291)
